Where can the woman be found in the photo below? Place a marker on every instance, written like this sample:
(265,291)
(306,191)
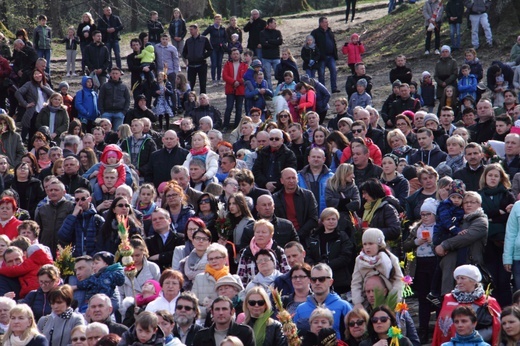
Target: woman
(443,188)
(42,155)
(381,211)
(192,225)
(75,128)
(217,36)
(38,300)
(287,63)
(468,292)
(230,187)
(399,144)
(510,331)
(497,202)
(240,217)
(57,167)
(108,237)
(403,123)
(175,201)
(31,160)
(29,189)
(84,32)
(337,143)
(4,244)
(171,282)
(237,132)
(319,140)
(321,322)
(345,127)
(356,323)
(307,100)
(265,260)
(78,336)
(12,147)
(55,116)
(22,35)
(233,29)
(177,30)
(207,212)
(8,222)
(32,96)
(197,260)
(393,179)
(284,120)
(300,275)
(329,245)
(58,325)
(123,132)
(5,171)
(427,177)
(87,158)
(262,239)
(382,318)
(22,329)
(257,311)
(37,141)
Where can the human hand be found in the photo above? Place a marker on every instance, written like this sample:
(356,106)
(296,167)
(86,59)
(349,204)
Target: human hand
(29,105)
(507,267)
(154,257)
(382,342)
(270,186)
(439,250)
(10,295)
(508,208)
(77,210)
(464,231)
(104,188)
(112,190)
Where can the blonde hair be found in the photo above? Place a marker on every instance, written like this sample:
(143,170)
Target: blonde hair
(339,179)
(232,340)
(322,312)
(288,51)
(327,212)
(32,330)
(260,291)
(396,133)
(504,179)
(265,223)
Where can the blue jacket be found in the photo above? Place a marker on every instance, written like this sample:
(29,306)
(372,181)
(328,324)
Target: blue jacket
(333,302)
(474,340)
(322,96)
(81,230)
(255,98)
(94,168)
(449,219)
(86,102)
(39,303)
(104,281)
(468,87)
(306,181)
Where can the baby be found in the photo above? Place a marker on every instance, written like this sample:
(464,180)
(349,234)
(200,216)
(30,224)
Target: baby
(147,57)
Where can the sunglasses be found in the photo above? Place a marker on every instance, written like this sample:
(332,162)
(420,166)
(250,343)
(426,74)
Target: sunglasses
(356,323)
(183,307)
(256,302)
(205,201)
(81,338)
(275,139)
(357,131)
(284,116)
(121,205)
(382,319)
(83,199)
(321,279)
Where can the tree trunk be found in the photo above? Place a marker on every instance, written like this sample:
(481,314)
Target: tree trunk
(135,15)
(292,6)
(193,9)
(55,18)
(504,15)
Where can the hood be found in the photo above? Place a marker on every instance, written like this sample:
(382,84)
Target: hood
(114,267)
(111,147)
(9,121)
(84,82)
(149,49)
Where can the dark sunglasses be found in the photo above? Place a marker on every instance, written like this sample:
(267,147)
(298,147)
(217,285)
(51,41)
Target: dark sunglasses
(284,116)
(382,319)
(275,139)
(256,302)
(356,323)
(183,307)
(204,201)
(121,205)
(83,199)
(357,131)
(81,338)
(321,279)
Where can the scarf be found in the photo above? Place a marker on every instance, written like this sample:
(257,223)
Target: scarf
(473,338)
(44,164)
(16,341)
(455,162)
(255,248)
(142,301)
(54,109)
(66,314)
(260,327)
(265,281)
(146,209)
(194,265)
(370,209)
(217,274)
(402,151)
(200,153)
(468,297)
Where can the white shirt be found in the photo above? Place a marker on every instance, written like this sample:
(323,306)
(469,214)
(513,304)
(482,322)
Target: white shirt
(162,304)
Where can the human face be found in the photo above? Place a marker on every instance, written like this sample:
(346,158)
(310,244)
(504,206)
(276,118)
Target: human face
(428,181)
(59,307)
(201,241)
(122,207)
(56,101)
(265,207)
(136,46)
(97,265)
(227,291)
(456,200)
(213,139)
(196,173)
(146,196)
(245,188)
(330,223)
(493,178)
(37,76)
(484,110)
(262,139)
(110,179)
(432,125)
(381,327)
(463,133)
(115,75)
(165,325)
(446,118)
(13,259)
(294,256)
(4,313)
(321,288)
(319,323)
(473,157)
(511,325)
(136,127)
(312,120)
(512,143)
(403,126)
(194,31)
(71,167)
(257,310)
(197,141)
(6,211)
(501,127)
(471,205)
(222,313)
(289,180)
(19,323)
(184,312)
(404,91)
(83,158)
(3,246)
(272,25)
(144,335)
(427,218)
(275,141)
(78,338)
(227,164)
(424,140)
(316,159)
(388,165)
(262,236)
(93,336)
(23,172)
(343,128)
(171,288)
(83,200)
(418,120)
(181,179)
(319,137)
(217,260)
(3,165)
(463,325)
(361,70)
(371,249)
(83,270)
(454,148)
(99,137)
(233,207)
(294,133)
(138,256)
(340,107)
(396,142)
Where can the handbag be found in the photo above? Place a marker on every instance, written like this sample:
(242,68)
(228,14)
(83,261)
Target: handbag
(484,317)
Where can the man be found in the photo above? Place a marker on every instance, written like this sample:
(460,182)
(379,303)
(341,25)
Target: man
(24,60)
(43,41)
(163,160)
(165,239)
(80,228)
(296,204)
(321,283)
(181,175)
(478,16)
(359,73)
(429,153)
(100,309)
(110,26)
(387,105)
(295,254)
(215,137)
(470,174)
(110,177)
(51,216)
(136,70)
(315,175)
(97,57)
(376,135)
(111,136)
(298,145)
(233,76)
(95,331)
(114,99)
(89,141)
(148,130)
(313,123)
(196,50)
(140,148)
(254,27)
(227,163)
(223,325)
(54,154)
(364,169)
(257,93)
(512,150)
(197,169)
(71,177)
(271,160)
(246,182)
(484,129)
(431,121)
(326,43)
(401,72)
(167,57)
(510,102)
(271,40)
(83,270)
(464,318)
(186,313)
(404,103)
(206,110)
(446,119)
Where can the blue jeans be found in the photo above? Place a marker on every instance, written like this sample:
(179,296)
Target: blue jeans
(46,54)
(455,35)
(310,73)
(476,21)
(269,66)
(216,63)
(115,118)
(238,102)
(330,63)
(258,53)
(114,45)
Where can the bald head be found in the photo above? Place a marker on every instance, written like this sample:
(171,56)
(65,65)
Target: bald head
(170,139)
(265,207)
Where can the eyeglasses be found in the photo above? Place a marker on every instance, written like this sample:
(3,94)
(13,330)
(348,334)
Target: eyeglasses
(81,338)
(356,323)
(183,307)
(299,277)
(425,214)
(382,319)
(201,238)
(275,139)
(83,199)
(192,229)
(45,283)
(262,261)
(256,302)
(172,196)
(205,201)
(357,130)
(321,279)
(215,258)
(121,205)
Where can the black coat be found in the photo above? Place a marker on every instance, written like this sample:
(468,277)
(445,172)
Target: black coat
(206,337)
(351,83)
(164,250)
(193,330)
(386,218)
(74,182)
(273,334)
(162,161)
(284,232)
(254,30)
(145,154)
(202,111)
(321,41)
(268,166)
(33,195)
(469,177)
(286,65)
(97,57)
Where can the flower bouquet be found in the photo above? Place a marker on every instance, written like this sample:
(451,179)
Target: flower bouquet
(288,326)
(223,223)
(64,260)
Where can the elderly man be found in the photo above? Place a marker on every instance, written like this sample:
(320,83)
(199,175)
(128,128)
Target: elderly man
(164,239)
(512,150)
(206,110)
(24,60)
(186,313)
(71,177)
(163,160)
(94,332)
(254,27)
(100,309)
(315,175)
(181,175)
(71,145)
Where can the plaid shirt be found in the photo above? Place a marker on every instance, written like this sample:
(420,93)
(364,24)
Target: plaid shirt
(247,266)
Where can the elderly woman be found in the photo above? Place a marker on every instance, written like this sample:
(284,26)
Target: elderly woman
(328,244)
(171,282)
(428,177)
(300,275)
(78,336)
(6,304)
(37,141)
(399,144)
(29,189)
(182,251)
(48,278)
(321,322)
(22,328)
(265,260)
(356,324)
(263,239)
(257,311)
(175,201)
(468,292)
(228,286)
(195,263)
(8,222)
(58,325)
(381,319)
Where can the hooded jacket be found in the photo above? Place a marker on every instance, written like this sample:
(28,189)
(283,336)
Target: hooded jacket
(431,157)
(119,166)
(86,101)
(317,185)
(129,338)
(104,281)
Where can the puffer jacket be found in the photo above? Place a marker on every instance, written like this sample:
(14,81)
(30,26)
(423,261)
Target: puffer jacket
(512,237)
(400,187)
(42,37)
(273,333)
(81,231)
(39,303)
(114,97)
(386,218)
(104,281)
(268,165)
(86,102)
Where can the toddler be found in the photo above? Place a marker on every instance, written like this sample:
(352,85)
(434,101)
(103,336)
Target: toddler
(71,47)
(467,84)
(501,86)
(112,157)
(375,259)
(144,332)
(353,51)
(147,57)
(310,55)
(235,43)
(414,93)
(360,98)
(427,91)
(164,102)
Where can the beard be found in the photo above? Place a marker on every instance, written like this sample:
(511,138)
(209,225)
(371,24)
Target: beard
(183,320)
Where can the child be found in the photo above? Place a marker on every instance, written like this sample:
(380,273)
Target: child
(145,204)
(359,98)
(310,55)
(147,57)
(353,51)
(201,149)
(292,99)
(67,99)
(164,104)
(467,84)
(414,92)
(71,47)
(449,99)
(185,133)
(503,124)
(501,86)
(375,259)
(427,91)
(167,323)
(155,28)
(110,158)
(182,88)
(149,292)
(144,332)
(235,43)
(468,102)
(191,103)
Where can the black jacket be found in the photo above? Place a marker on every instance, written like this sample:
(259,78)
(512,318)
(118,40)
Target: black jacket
(299,151)
(97,57)
(33,195)
(202,111)
(482,131)
(164,250)
(74,182)
(470,177)
(351,83)
(162,161)
(386,218)
(320,37)
(400,105)
(196,50)
(105,23)
(254,30)
(147,148)
(268,165)
(138,113)
(271,40)
(284,232)
(194,329)
(404,74)
(114,97)
(286,65)
(206,337)
(155,29)
(273,333)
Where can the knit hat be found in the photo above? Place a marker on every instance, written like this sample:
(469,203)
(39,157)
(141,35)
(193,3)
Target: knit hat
(410,115)
(468,270)
(393,157)
(362,82)
(63,84)
(444,170)
(140,97)
(354,35)
(111,153)
(374,235)
(446,47)
(457,187)
(431,116)
(235,36)
(425,74)
(327,337)
(430,205)
(155,284)
(105,256)
(396,83)
(229,280)
(256,63)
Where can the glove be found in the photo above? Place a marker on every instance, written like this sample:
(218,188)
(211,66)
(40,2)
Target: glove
(311,62)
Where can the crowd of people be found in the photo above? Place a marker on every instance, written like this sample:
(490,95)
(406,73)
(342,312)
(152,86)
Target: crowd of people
(334,212)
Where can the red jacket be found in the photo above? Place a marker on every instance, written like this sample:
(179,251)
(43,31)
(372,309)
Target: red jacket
(307,102)
(11,228)
(228,75)
(27,272)
(444,327)
(373,151)
(353,52)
